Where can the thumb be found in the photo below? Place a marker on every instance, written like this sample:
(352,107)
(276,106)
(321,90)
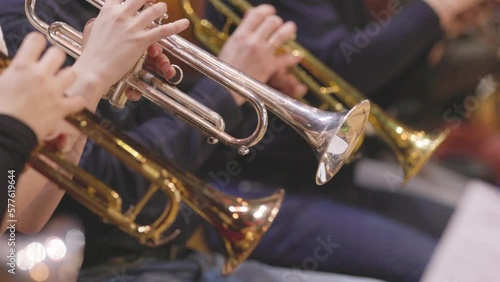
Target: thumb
(87,30)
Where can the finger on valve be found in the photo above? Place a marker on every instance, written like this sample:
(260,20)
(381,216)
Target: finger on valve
(133,95)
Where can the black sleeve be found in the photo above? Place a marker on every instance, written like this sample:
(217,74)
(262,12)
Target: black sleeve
(16,143)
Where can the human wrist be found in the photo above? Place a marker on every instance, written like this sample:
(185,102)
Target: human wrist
(88,84)
(446,10)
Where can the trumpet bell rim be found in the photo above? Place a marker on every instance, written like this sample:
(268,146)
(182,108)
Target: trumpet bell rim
(343,142)
(411,169)
(239,251)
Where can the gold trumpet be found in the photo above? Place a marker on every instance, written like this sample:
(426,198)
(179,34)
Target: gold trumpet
(4,62)
(487,114)
(413,148)
(332,136)
(241,223)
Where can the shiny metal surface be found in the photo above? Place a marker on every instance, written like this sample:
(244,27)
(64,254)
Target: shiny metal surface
(319,128)
(412,147)
(4,62)
(163,94)
(241,223)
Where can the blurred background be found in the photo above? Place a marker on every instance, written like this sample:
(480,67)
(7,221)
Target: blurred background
(456,87)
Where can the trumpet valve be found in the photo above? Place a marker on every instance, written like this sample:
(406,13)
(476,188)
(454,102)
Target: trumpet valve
(117,97)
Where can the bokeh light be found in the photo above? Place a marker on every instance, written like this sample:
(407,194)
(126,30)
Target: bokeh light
(35,252)
(56,249)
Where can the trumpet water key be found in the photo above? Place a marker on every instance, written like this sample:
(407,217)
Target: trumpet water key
(332,136)
(412,147)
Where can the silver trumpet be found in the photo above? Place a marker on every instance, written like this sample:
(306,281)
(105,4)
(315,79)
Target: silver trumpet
(332,136)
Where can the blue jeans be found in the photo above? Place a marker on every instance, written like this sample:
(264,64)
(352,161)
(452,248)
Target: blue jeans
(315,232)
(198,268)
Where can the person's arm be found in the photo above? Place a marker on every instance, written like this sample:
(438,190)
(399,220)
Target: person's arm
(16,142)
(16,25)
(368,57)
(373,55)
(31,114)
(172,138)
(126,38)
(249,50)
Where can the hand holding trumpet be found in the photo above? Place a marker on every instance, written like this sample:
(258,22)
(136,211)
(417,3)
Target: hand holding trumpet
(42,107)
(252,49)
(126,37)
(454,13)
(114,41)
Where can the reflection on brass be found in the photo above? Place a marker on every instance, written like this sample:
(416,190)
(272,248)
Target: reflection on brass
(4,62)
(321,129)
(413,148)
(241,223)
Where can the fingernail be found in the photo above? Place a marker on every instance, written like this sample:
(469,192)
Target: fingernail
(156,52)
(89,22)
(184,21)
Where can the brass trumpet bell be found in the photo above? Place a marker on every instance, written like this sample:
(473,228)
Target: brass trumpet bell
(316,126)
(240,223)
(412,148)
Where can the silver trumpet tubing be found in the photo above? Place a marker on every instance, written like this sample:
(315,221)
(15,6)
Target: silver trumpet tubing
(332,136)
(154,89)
